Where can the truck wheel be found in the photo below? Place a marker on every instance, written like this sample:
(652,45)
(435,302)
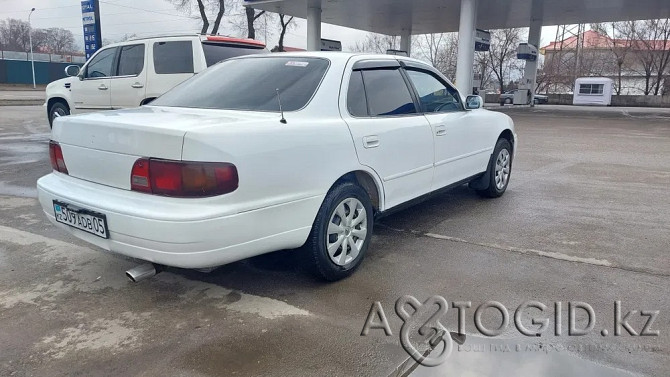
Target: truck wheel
(341,233)
(508,101)
(499,170)
(58,109)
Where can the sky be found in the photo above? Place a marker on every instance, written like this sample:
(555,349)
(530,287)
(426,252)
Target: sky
(151,17)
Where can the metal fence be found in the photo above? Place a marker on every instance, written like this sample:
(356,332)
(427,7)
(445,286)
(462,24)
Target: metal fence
(39,57)
(16,67)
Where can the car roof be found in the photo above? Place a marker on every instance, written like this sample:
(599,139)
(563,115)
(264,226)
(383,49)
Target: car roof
(342,58)
(202,37)
(338,56)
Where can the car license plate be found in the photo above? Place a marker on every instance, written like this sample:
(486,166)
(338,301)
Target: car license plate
(80,218)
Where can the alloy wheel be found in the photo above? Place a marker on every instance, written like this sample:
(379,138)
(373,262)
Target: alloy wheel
(347,231)
(502,169)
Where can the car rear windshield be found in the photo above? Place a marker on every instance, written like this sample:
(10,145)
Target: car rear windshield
(216,52)
(250,84)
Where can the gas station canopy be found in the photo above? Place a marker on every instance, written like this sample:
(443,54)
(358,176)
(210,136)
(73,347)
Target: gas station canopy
(392,17)
(407,17)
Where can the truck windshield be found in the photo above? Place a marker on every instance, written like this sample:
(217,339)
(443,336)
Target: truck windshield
(216,52)
(250,84)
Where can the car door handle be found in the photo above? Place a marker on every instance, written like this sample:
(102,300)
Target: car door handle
(371,141)
(137,85)
(440,130)
(102,87)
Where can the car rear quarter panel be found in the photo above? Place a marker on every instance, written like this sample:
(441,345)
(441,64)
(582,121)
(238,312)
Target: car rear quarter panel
(277,163)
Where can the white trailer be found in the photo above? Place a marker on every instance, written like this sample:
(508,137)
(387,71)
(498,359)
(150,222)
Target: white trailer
(593,91)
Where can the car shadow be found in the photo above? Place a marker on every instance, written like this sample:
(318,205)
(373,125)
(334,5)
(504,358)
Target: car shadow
(285,270)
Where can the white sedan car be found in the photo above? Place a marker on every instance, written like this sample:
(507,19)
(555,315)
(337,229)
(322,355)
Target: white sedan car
(263,153)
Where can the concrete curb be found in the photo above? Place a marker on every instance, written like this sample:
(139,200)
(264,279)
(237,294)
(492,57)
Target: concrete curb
(21,102)
(569,111)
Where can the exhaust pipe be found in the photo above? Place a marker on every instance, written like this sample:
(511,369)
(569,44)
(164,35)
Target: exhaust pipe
(141,272)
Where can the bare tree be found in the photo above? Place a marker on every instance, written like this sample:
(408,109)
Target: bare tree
(203,6)
(124,38)
(14,35)
(252,16)
(219,16)
(249,22)
(619,40)
(376,43)
(60,41)
(502,54)
(483,68)
(40,40)
(431,47)
(653,51)
(440,50)
(284,25)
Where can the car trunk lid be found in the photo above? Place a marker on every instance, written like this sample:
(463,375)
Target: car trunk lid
(102,147)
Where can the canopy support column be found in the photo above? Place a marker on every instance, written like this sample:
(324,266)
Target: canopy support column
(534,35)
(406,42)
(314,25)
(466,46)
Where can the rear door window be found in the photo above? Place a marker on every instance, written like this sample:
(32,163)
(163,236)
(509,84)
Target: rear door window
(387,93)
(356,101)
(131,60)
(173,57)
(216,52)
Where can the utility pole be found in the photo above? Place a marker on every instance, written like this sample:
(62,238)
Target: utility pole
(30,38)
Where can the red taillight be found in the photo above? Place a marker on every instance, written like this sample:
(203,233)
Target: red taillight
(182,178)
(57,159)
(139,176)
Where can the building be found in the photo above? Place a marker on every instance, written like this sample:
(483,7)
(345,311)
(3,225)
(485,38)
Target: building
(632,64)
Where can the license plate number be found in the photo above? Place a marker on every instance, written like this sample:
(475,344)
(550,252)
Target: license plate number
(82,219)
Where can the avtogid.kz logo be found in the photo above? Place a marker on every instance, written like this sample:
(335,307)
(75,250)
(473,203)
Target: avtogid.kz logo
(429,343)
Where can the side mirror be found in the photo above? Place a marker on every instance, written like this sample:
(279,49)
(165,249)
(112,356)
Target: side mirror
(72,70)
(473,102)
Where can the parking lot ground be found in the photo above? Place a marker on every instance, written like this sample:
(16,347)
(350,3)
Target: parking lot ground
(586,218)
(21,95)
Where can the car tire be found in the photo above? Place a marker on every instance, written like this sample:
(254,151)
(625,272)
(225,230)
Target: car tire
(536,101)
(499,170)
(338,234)
(508,101)
(58,109)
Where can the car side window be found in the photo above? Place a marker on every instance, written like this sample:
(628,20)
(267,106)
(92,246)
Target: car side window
(387,93)
(434,95)
(101,64)
(357,104)
(173,57)
(131,60)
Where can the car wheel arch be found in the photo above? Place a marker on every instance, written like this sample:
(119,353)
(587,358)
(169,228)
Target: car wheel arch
(507,135)
(147,100)
(368,182)
(482,182)
(51,101)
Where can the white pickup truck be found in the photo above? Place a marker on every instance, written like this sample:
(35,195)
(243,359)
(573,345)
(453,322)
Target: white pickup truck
(135,72)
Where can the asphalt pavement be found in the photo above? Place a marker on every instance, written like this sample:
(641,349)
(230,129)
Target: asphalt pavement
(585,219)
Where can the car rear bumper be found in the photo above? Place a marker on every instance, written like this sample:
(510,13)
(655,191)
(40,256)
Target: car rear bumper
(139,226)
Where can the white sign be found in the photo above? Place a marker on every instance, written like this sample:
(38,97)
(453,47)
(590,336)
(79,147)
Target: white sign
(396,52)
(88,18)
(483,36)
(330,45)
